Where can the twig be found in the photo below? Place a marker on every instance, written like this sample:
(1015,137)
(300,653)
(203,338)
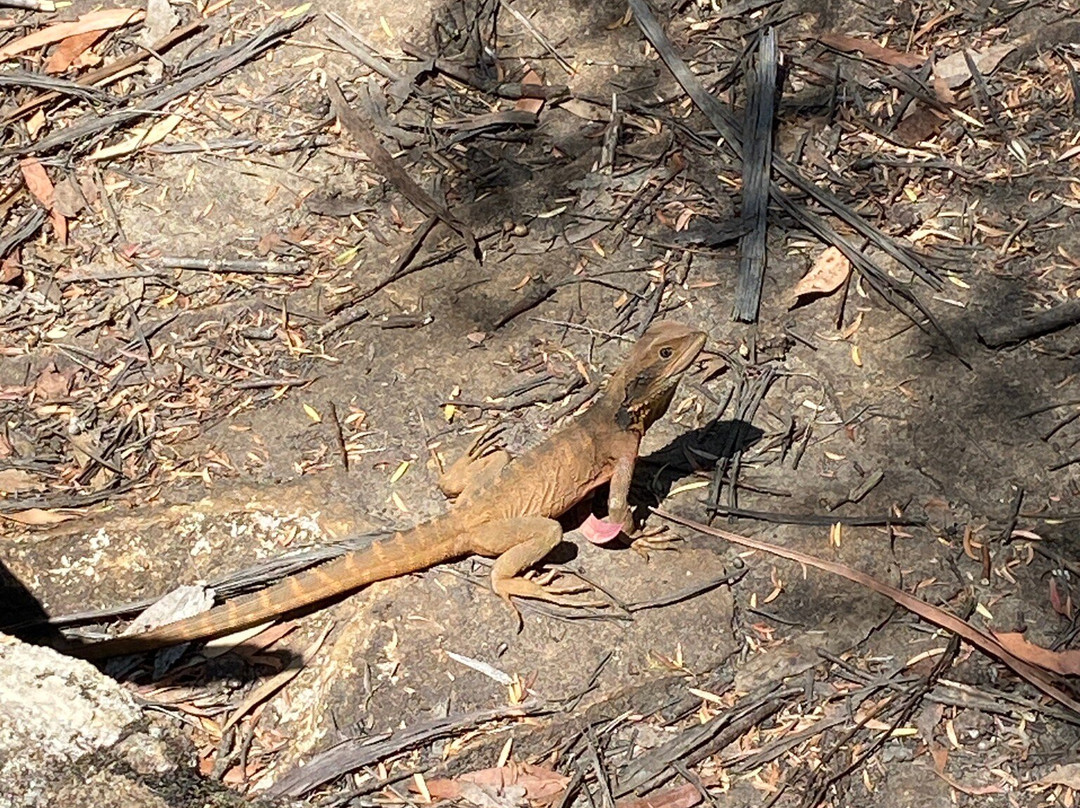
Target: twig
(1012,332)
(512,90)
(906,711)
(611,137)
(730,459)
(652,769)
(739,9)
(939,617)
(361,132)
(55,86)
(730,579)
(400,269)
(358,48)
(357,752)
(534,296)
(539,37)
(723,120)
(823,520)
(23,231)
(238,266)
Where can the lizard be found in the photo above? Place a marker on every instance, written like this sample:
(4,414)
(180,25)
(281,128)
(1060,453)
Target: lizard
(504,508)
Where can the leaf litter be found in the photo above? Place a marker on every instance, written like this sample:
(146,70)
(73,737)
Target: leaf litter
(132,397)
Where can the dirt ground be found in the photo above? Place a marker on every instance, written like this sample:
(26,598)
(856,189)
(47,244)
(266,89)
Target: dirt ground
(176,425)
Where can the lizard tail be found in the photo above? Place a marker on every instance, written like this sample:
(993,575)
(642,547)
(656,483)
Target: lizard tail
(400,554)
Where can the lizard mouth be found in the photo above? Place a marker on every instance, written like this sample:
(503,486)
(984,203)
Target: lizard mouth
(689,353)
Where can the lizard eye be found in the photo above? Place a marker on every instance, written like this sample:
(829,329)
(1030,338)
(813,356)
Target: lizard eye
(666,353)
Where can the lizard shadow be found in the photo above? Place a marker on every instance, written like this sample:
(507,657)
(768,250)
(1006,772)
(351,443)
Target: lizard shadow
(695,452)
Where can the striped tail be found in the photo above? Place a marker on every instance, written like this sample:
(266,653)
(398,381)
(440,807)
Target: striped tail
(402,553)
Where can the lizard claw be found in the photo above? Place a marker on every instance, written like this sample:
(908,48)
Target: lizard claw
(653,541)
(518,619)
(528,588)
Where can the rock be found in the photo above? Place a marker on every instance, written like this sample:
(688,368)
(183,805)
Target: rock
(69,735)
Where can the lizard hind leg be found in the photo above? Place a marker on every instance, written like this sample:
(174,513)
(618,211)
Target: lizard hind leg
(520,543)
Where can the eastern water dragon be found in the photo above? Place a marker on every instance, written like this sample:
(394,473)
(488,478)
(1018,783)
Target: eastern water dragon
(505,508)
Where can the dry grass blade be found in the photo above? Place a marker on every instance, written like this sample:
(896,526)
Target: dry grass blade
(208,72)
(354,753)
(932,614)
(721,118)
(757,167)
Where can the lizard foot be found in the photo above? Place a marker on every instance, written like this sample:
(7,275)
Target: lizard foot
(506,588)
(654,542)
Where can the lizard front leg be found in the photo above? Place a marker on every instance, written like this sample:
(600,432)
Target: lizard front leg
(619,492)
(478,468)
(619,512)
(521,543)
(619,521)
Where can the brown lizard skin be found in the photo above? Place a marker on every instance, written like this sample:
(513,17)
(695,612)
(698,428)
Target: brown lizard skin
(507,510)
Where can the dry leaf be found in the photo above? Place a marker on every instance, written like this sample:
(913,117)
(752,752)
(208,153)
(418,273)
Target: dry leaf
(539,783)
(94,21)
(139,138)
(953,69)
(36,123)
(37,181)
(39,517)
(686,796)
(68,198)
(160,20)
(15,480)
(71,49)
(829,272)
(186,600)
(52,385)
(873,50)
(10,268)
(533,105)
(41,187)
(1067,663)
(586,110)
(1062,604)
(1064,774)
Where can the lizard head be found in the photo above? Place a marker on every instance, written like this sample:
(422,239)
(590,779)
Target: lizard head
(652,371)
